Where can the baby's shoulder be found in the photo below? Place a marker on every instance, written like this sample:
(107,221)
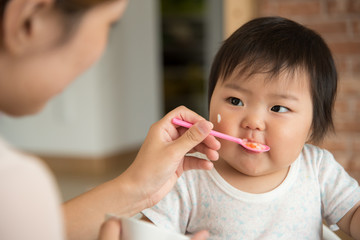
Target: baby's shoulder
(317,159)
(314,153)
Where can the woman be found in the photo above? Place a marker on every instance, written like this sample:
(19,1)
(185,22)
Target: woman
(45,45)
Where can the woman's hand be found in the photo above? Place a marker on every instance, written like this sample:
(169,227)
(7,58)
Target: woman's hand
(159,163)
(162,157)
(111,230)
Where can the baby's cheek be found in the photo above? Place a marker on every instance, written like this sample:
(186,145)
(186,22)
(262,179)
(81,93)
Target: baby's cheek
(212,118)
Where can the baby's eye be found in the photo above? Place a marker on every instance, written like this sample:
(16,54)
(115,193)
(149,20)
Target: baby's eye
(280,109)
(235,101)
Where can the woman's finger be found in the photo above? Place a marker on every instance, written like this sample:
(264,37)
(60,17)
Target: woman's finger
(210,141)
(202,235)
(211,154)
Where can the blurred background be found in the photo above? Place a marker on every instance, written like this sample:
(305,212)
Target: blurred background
(158,58)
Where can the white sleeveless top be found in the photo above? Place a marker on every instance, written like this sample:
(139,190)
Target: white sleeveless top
(30,206)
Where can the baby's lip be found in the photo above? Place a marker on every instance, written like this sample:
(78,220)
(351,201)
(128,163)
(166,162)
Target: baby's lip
(251,141)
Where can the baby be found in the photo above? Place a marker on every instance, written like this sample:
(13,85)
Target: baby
(273,82)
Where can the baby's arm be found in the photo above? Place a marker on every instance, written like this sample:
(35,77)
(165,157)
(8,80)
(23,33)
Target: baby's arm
(350,223)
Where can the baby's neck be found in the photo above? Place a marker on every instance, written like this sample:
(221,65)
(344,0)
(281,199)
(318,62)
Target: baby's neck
(251,184)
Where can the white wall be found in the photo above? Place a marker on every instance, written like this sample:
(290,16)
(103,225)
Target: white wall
(111,106)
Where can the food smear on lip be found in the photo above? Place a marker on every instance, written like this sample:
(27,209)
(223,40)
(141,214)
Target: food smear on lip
(254,145)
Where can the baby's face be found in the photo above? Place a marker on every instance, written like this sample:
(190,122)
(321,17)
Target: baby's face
(276,112)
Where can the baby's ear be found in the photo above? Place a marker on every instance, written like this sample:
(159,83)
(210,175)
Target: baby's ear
(22,21)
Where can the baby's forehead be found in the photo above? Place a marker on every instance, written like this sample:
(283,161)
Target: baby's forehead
(265,87)
(284,76)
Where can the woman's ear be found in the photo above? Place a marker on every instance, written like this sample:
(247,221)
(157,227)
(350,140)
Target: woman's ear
(22,23)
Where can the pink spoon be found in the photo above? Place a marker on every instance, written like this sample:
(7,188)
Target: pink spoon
(253,146)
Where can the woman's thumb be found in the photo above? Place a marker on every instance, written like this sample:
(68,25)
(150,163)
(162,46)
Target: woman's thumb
(195,135)
(110,230)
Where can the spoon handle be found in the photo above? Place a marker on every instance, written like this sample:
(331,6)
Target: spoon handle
(212,132)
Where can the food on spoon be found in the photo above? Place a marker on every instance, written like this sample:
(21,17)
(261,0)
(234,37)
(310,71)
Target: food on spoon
(254,145)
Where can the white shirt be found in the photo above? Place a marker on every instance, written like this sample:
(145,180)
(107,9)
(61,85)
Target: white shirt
(29,199)
(316,187)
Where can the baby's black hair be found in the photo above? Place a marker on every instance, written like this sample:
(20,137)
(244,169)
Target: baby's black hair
(273,45)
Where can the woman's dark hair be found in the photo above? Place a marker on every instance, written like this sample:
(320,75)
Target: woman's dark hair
(66,6)
(273,45)
(3,4)
(75,6)
(72,10)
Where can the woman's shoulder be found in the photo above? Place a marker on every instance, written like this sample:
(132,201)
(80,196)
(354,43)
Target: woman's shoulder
(28,189)
(14,160)
(18,168)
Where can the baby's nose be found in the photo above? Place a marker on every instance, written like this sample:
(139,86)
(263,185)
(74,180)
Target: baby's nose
(253,121)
